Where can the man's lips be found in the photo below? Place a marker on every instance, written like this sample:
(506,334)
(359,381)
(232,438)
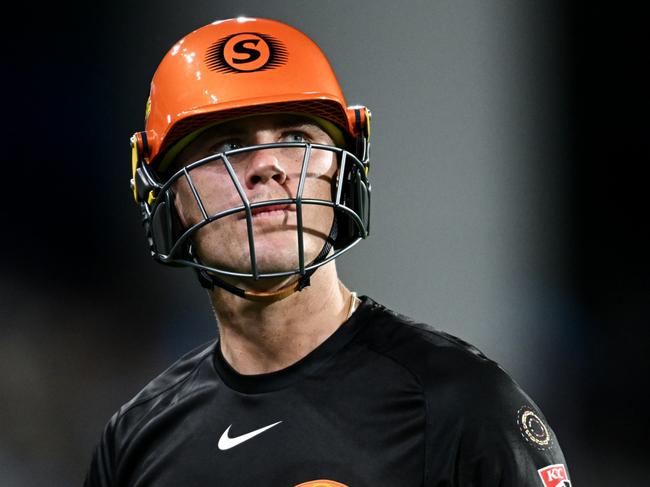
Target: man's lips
(269,208)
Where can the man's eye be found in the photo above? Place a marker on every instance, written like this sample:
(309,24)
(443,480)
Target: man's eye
(295,137)
(225,146)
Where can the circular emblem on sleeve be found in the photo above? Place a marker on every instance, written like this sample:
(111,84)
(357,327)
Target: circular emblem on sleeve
(533,429)
(246,53)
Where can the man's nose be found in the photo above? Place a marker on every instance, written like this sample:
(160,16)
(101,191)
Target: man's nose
(264,165)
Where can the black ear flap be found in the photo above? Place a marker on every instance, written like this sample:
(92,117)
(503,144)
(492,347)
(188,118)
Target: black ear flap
(165,225)
(352,196)
(143,184)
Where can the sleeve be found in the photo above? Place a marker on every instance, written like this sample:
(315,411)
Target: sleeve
(101,472)
(506,441)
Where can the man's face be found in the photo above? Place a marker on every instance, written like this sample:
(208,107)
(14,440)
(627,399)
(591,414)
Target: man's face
(267,174)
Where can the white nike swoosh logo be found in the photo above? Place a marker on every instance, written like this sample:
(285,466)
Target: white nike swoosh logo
(226,443)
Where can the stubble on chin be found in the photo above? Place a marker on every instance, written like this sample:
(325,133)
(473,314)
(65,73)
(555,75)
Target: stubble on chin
(226,247)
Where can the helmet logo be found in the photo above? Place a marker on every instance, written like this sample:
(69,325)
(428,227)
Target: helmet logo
(245,53)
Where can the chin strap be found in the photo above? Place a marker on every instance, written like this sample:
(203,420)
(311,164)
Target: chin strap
(209,281)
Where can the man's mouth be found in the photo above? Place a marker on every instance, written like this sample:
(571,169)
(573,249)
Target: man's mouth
(270,209)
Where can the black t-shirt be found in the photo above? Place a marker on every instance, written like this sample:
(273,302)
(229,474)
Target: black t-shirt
(383,402)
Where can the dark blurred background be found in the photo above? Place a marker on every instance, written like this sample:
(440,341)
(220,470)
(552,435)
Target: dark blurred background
(509,208)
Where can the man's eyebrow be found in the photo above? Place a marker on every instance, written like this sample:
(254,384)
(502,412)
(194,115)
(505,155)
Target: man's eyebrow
(291,121)
(226,131)
(301,125)
(235,129)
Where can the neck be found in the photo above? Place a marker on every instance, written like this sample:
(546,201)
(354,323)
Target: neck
(259,337)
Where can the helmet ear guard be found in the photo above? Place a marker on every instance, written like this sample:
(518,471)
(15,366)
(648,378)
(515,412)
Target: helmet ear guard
(163,224)
(356,188)
(361,126)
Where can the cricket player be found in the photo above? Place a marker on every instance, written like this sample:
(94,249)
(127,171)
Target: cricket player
(253,171)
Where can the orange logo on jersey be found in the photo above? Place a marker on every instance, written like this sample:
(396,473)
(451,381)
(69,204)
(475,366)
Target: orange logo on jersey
(245,53)
(321,483)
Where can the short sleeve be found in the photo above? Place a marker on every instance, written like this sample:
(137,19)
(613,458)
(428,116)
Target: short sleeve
(506,441)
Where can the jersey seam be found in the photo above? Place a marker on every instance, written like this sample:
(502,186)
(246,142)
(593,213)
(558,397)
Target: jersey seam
(426,402)
(127,440)
(437,333)
(456,342)
(171,386)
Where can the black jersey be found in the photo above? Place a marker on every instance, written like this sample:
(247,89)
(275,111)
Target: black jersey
(383,402)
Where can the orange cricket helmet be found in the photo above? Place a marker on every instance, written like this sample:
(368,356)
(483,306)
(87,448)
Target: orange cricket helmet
(231,69)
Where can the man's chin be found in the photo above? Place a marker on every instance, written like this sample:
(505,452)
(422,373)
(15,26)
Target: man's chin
(264,284)
(277,254)
(264,267)
(271,268)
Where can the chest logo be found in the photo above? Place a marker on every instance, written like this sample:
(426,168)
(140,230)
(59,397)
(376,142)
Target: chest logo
(322,483)
(226,442)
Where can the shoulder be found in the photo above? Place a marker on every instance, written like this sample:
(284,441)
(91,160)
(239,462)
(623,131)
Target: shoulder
(173,376)
(430,353)
(448,368)
(473,406)
(165,389)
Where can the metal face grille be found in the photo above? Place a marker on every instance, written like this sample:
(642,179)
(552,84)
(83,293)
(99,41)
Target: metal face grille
(174,244)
